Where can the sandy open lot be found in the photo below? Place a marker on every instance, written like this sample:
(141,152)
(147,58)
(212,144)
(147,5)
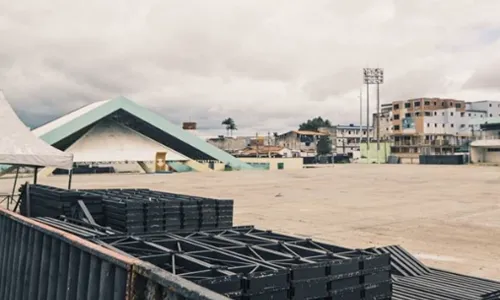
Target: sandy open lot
(449,216)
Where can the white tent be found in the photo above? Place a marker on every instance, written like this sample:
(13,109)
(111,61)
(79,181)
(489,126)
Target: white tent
(19,146)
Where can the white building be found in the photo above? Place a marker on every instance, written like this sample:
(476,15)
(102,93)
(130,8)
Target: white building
(492,108)
(487,148)
(347,138)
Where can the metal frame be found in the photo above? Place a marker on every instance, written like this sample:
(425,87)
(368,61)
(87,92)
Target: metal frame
(293,268)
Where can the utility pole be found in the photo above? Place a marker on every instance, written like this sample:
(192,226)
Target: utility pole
(360,117)
(268,144)
(256,144)
(378,122)
(367,118)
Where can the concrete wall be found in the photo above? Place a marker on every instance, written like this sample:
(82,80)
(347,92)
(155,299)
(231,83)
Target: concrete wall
(485,155)
(109,141)
(289,163)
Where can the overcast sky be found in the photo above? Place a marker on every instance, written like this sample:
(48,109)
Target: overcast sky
(269,64)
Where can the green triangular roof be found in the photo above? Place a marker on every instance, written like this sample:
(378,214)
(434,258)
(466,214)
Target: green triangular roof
(108,107)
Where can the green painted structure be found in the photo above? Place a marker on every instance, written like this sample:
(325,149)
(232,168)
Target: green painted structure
(65,130)
(370,155)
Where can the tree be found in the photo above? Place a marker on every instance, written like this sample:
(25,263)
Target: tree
(315,123)
(324,145)
(230,125)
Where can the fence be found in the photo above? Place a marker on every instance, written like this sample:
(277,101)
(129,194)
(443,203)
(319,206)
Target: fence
(41,262)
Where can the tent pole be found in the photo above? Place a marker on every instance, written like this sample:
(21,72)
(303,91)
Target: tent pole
(13,188)
(28,198)
(35,179)
(70,172)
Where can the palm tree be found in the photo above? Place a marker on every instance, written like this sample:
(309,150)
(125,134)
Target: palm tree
(230,126)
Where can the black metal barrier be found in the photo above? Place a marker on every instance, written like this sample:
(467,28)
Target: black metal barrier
(458,159)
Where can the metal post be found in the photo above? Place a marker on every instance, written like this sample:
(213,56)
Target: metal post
(35,178)
(360,118)
(368,117)
(378,122)
(28,200)
(13,188)
(257,144)
(268,144)
(70,173)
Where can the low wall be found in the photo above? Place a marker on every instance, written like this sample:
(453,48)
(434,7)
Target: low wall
(290,163)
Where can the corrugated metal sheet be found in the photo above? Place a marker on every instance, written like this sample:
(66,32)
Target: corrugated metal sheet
(41,262)
(442,285)
(402,262)
(36,263)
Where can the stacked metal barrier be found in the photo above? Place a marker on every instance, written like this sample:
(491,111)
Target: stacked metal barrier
(246,263)
(145,211)
(48,201)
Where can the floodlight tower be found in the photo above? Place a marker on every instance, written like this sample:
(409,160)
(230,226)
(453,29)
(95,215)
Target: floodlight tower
(373,76)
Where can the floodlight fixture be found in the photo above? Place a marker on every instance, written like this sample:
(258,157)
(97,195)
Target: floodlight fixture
(373,75)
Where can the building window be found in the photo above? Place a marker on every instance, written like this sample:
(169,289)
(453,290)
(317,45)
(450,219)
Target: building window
(493,149)
(462,126)
(452,125)
(451,114)
(396,127)
(442,113)
(469,114)
(396,106)
(349,132)
(407,115)
(427,102)
(490,104)
(462,114)
(417,114)
(435,113)
(407,105)
(442,104)
(428,125)
(435,103)
(396,117)
(417,104)
(458,105)
(491,115)
(435,125)
(443,125)
(427,113)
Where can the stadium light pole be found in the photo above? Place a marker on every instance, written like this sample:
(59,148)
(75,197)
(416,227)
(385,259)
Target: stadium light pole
(373,76)
(360,119)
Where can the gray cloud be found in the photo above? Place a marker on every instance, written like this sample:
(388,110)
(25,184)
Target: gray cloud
(268,64)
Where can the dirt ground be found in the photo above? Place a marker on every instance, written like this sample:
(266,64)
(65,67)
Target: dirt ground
(448,216)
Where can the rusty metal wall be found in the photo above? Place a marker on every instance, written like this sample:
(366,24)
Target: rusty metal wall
(39,262)
(36,263)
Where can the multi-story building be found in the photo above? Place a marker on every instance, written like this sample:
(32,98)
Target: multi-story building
(385,122)
(433,126)
(346,138)
(492,108)
(302,142)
